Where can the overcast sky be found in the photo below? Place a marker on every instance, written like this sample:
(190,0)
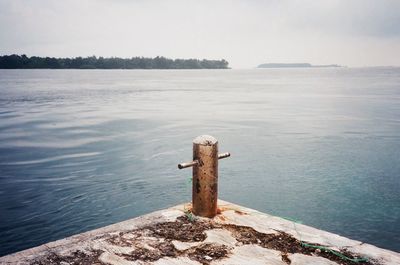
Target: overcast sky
(246,33)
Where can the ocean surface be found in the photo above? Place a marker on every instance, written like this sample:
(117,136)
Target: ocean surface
(81,149)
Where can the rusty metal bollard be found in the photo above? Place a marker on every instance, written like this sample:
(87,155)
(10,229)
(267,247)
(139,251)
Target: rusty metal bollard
(205,175)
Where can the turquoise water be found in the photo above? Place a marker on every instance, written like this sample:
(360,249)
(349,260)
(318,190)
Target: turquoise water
(80,149)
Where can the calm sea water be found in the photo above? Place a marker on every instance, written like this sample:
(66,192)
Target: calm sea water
(83,149)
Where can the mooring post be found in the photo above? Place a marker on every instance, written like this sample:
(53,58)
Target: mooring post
(205,175)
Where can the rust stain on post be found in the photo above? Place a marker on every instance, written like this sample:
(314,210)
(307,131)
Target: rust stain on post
(205,176)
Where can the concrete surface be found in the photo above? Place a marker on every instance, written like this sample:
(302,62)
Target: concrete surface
(237,235)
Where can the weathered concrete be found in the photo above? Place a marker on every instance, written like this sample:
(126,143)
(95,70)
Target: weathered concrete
(237,235)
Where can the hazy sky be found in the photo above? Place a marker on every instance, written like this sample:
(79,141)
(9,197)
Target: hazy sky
(246,33)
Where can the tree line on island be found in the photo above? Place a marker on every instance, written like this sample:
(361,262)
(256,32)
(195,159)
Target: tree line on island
(15,61)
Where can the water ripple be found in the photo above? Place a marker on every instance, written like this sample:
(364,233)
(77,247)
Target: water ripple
(83,149)
(49,159)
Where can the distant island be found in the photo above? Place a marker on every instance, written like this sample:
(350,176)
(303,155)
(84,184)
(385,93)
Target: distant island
(24,62)
(294,65)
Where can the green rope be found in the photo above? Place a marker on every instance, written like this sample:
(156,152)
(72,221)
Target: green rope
(336,253)
(292,220)
(357,260)
(190,216)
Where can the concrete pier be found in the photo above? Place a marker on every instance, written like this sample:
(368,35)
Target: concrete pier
(236,235)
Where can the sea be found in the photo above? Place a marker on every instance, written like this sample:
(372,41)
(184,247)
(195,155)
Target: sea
(81,149)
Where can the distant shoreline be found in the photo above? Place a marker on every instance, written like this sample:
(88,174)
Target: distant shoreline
(15,61)
(296,65)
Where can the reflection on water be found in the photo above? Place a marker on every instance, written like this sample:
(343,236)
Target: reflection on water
(82,149)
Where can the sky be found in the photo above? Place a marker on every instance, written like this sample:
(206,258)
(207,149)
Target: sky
(246,33)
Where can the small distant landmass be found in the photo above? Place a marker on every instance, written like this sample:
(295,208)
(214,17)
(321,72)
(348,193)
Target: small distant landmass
(15,61)
(295,65)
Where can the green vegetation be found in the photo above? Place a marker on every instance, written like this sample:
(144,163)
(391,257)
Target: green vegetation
(24,62)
